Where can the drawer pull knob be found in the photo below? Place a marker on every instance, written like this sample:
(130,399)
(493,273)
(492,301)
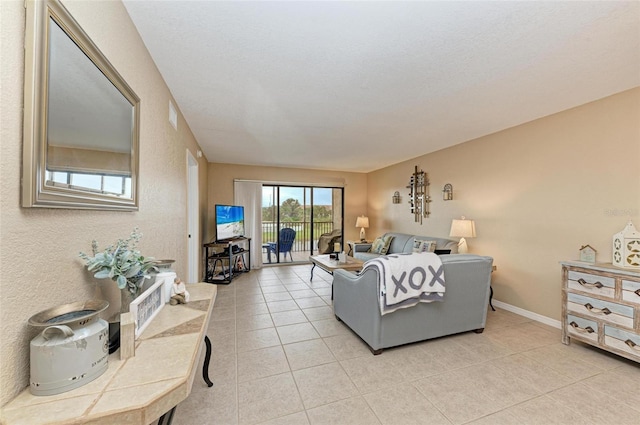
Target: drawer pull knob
(637,292)
(632,345)
(592,309)
(588,329)
(590,285)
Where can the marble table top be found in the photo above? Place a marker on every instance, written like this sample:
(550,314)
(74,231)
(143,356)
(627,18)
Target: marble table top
(137,390)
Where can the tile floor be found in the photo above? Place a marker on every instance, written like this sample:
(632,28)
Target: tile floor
(280,357)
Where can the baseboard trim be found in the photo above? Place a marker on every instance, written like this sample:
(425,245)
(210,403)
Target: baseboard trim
(528,314)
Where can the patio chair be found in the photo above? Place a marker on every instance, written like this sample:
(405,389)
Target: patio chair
(326,241)
(287,235)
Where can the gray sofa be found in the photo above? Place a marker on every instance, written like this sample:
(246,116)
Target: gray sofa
(467,282)
(403,243)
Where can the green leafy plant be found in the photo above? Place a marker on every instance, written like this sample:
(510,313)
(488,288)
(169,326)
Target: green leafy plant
(121,262)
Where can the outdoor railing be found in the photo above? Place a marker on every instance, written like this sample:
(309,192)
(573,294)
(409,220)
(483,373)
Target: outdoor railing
(270,232)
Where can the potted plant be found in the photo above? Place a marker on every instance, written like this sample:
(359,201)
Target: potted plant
(123,263)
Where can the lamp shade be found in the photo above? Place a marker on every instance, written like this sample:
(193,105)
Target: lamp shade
(463,228)
(362,221)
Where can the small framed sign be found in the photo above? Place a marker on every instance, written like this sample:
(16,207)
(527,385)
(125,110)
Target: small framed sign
(147,306)
(587,254)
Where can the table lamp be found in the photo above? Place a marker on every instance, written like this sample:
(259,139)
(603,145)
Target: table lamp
(463,229)
(362,222)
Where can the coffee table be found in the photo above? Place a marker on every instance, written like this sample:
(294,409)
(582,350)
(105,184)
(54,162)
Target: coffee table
(328,265)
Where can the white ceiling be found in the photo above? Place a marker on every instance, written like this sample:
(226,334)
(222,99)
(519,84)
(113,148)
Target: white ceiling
(357,86)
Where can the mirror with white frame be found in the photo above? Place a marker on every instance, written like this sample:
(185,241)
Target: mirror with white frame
(81,122)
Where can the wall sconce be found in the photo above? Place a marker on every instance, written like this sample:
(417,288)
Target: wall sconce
(447,192)
(396,197)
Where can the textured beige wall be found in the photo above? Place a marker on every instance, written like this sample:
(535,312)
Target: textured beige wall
(221,178)
(537,192)
(39,248)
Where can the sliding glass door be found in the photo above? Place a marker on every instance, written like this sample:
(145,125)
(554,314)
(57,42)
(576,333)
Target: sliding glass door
(295,217)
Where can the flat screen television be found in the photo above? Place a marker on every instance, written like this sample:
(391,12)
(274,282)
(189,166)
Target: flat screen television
(229,222)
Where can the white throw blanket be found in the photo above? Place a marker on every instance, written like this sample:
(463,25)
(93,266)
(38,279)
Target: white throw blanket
(407,279)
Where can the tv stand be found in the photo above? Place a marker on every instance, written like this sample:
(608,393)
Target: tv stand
(223,260)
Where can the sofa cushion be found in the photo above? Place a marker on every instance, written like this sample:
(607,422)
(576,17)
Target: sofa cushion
(381,245)
(422,245)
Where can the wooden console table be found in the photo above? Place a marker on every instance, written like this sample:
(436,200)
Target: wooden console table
(138,390)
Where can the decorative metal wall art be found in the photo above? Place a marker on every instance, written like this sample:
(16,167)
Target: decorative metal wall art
(419,198)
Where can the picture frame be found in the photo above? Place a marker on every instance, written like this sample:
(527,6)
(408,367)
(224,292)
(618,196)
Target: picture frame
(147,306)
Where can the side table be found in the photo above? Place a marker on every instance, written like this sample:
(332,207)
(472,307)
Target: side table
(358,246)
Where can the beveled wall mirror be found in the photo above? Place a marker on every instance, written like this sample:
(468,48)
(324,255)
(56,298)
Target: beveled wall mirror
(81,119)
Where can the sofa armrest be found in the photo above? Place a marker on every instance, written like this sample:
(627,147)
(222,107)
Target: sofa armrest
(355,301)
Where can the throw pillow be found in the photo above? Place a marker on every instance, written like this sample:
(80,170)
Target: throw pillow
(381,245)
(421,245)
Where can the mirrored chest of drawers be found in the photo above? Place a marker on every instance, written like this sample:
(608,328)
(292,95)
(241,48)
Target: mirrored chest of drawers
(601,307)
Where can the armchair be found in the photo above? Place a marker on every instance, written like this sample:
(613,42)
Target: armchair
(326,241)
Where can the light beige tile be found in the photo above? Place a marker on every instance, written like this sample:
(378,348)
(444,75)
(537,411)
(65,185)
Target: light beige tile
(559,358)
(274,281)
(267,398)
(480,345)
(308,353)
(319,283)
(318,313)
(246,290)
(277,296)
(225,301)
(223,313)
(288,317)
(251,310)
(330,327)
(595,356)
(625,380)
(297,332)
(303,293)
(327,299)
(278,306)
(297,287)
(546,410)
(299,418)
(371,373)
(541,377)
(449,353)
(503,318)
(411,362)
(260,363)
(223,344)
(253,322)
(466,394)
(311,302)
(323,291)
(273,289)
(323,384)
(600,407)
(216,405)
(523,337)
(290,279)
(404,404)
(260,338)
(222,327)
(248,298)
(352,411)
(347,346)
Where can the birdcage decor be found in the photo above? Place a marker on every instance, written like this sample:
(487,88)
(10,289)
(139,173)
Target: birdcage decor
(419,198)
(626,247)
